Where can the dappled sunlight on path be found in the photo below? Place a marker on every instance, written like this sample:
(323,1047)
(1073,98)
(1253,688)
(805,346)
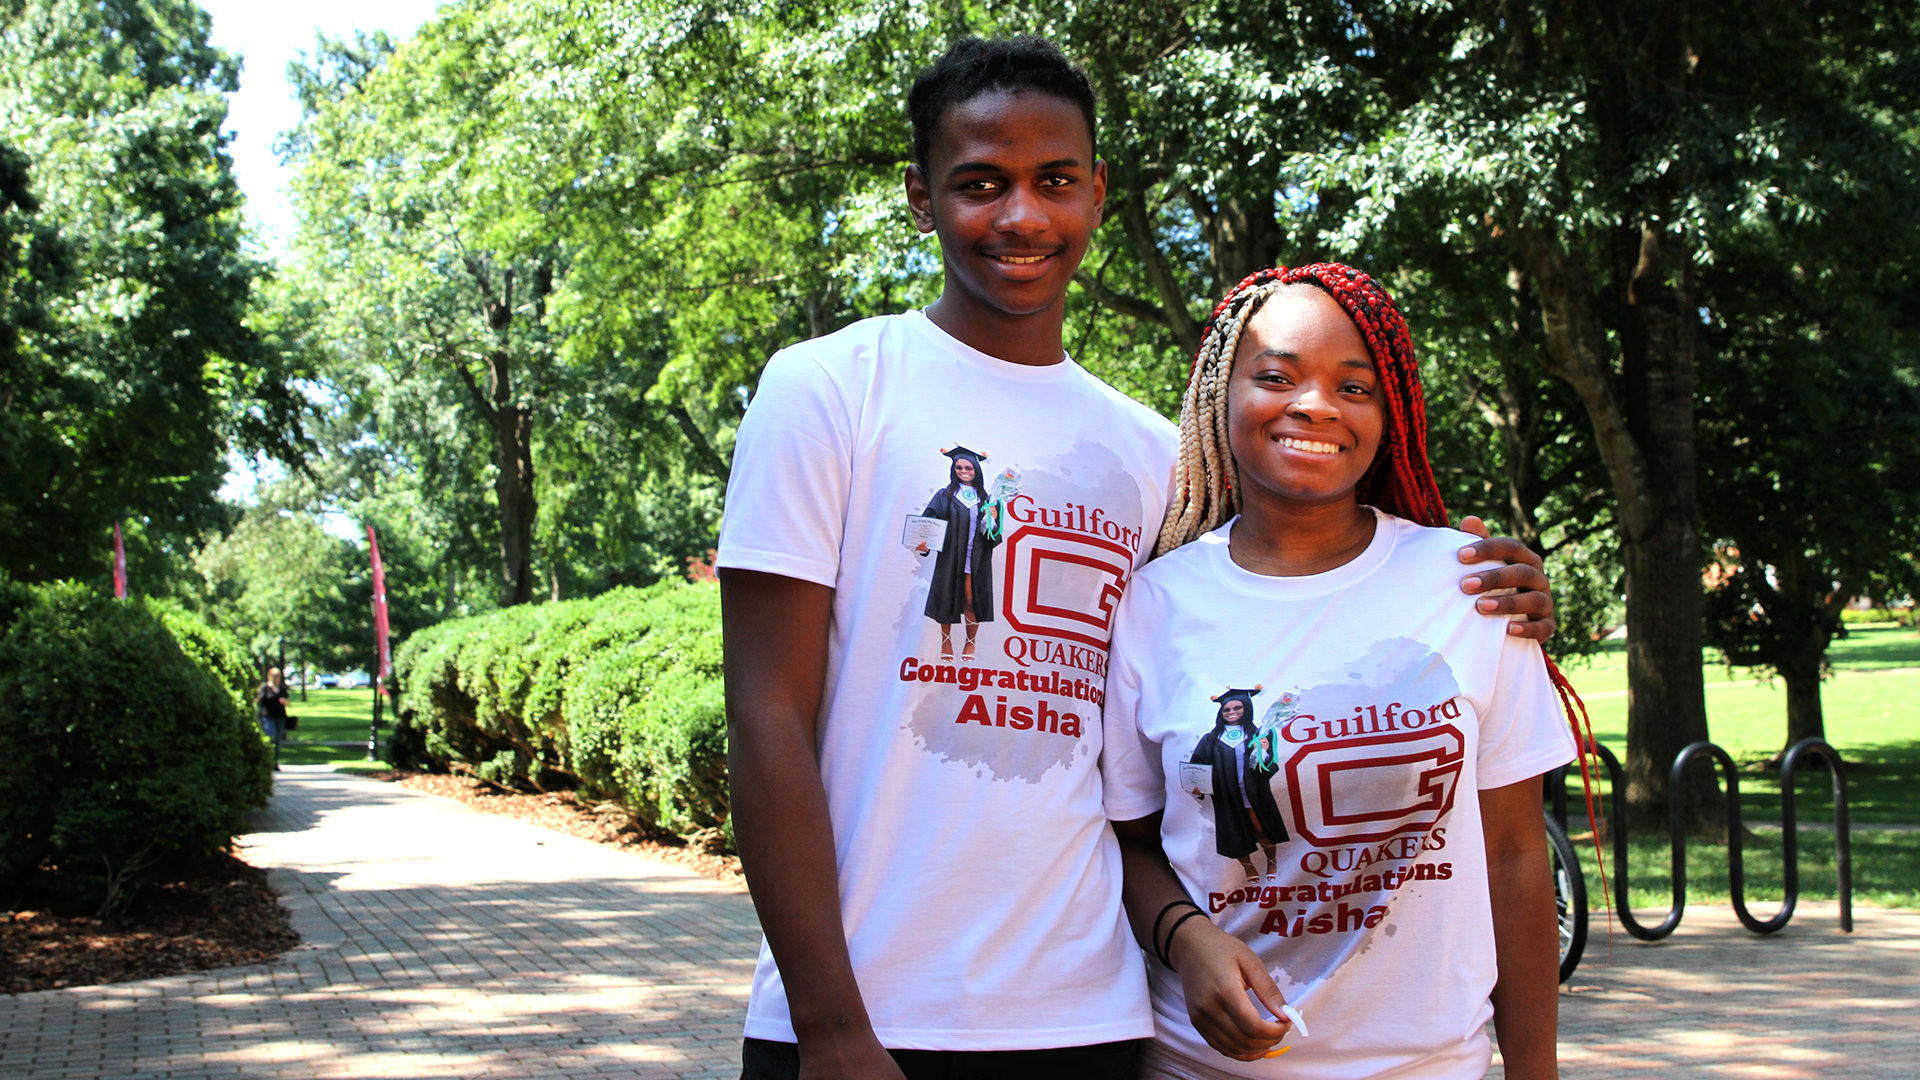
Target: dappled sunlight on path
(1715,1002)
(443,942)
(438,942)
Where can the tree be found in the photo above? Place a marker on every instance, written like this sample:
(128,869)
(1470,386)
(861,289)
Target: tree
(443,239)
(406,241)
(1599,156)
(1813,483)
(129,360)
(280,584)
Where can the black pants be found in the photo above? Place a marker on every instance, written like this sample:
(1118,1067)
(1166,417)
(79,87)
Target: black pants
(763,1060)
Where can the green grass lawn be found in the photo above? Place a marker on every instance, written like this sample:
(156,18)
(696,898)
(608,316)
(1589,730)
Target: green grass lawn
(1872,709)
(333,716)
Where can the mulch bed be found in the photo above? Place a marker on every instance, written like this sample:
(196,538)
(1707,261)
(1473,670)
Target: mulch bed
(230,917)
(602,823)
(225,919)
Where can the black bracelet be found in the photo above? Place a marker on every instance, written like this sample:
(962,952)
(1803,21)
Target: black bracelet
(1153,939)
(1166,952)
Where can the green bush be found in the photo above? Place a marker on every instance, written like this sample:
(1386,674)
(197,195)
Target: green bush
(124,757)
(618,696)
(1856,617)
(222,654)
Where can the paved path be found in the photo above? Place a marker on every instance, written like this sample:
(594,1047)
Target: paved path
(1715,1002)
(445,943)
(439,942)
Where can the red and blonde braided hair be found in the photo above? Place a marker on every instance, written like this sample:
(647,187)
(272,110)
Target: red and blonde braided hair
(1400,480)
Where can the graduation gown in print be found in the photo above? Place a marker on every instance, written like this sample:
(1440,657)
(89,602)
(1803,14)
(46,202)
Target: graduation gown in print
(1234,837)
(946,599)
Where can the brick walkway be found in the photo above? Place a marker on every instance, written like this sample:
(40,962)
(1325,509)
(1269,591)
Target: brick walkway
(439,942)
(1716,1002)
(442,942)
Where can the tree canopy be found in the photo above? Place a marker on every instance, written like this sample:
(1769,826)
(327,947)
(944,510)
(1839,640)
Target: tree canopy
(130,363)
(1654,263)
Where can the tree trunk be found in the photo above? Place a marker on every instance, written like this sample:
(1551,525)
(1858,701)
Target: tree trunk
(511,422)
(1666,693)
(1243,236)
(1642,415)
(513,487)
(1809,613)
(1662,547)
(1806,719)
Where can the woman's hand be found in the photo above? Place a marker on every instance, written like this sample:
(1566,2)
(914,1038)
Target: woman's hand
(1525,572)
(1216,970)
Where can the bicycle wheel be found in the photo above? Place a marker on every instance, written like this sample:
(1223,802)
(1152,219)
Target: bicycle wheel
(1569,896)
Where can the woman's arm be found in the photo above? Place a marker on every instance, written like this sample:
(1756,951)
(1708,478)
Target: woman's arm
(1526,995)
(775,647)
(1216,969)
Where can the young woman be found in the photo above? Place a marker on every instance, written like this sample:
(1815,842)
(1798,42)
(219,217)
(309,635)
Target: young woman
(1409,899)
(270,704)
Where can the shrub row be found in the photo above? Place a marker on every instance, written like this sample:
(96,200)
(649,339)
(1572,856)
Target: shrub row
(618,696)
(1868,616)
(128,748)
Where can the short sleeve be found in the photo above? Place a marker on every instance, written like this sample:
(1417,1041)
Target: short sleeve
(1524,732)
(791,475)
(1132,779)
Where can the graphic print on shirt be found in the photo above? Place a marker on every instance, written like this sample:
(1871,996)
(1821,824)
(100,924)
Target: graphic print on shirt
(1222,772)
(961,527)
(1368,770)
(1028,566)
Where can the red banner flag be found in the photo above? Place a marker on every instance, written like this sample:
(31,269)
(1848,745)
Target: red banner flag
(380,616)
(119,564)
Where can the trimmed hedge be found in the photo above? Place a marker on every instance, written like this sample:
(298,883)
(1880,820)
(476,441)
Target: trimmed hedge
(128,751)
(1869,616)
(618,696)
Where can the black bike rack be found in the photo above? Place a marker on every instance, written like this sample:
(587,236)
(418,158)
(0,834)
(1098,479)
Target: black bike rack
(1736,869)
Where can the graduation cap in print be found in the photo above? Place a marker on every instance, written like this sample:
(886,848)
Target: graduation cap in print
(973,458)
(1243,696)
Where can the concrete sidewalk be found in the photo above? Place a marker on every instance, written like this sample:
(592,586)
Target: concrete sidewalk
(443,942)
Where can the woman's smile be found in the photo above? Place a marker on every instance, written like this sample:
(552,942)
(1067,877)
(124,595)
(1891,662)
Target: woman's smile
(1304,417)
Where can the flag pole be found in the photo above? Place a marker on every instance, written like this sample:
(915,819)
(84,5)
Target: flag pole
(383,655)
(119,564)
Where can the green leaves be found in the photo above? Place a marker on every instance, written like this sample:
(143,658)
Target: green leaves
(127,752)
(131,362)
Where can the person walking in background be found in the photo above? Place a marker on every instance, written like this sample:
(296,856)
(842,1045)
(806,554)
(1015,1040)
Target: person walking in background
(270,703)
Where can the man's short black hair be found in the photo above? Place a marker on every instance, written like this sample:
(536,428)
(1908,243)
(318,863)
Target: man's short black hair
(974,66)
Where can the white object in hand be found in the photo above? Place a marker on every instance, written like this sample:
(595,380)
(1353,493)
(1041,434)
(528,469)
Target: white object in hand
(1293,1017)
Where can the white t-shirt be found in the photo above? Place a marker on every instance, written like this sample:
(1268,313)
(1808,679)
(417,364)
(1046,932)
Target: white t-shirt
(1390,703)
(979,881)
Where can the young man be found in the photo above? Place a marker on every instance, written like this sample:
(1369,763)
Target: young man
(921,820)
